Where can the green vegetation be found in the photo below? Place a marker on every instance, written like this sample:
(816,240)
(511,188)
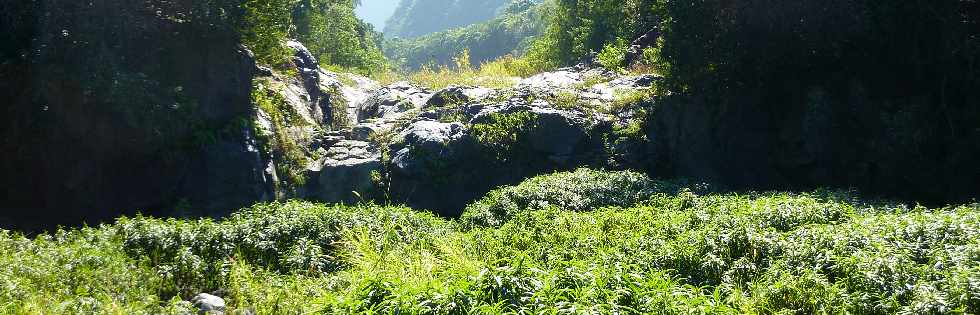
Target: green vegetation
(578,28)
(510,33)
(338,105)
(581,190)
(267,26)
(613,55)
(337,37)
(630,100)
(291,158)
(504,133)
(502,73)
(570,243)
(328,28)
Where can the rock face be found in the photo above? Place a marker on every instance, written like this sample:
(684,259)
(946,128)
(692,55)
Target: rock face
(849,141)
(139,111)
(392,101)
(443,160)
(346,173)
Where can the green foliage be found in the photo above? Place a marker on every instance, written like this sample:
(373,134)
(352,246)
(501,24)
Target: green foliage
(337,37)
(579,28)
(338,105)
(507,34)
(572,249)
(328,28)
(502,133)
(293,237)
(567,100)
(81,271)
(502,73)
(267,25)
(630,100)
(581,190)
(613,55)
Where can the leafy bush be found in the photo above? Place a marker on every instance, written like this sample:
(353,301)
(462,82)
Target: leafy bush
(583,189)
(81,271)
(613,55)
(328,28)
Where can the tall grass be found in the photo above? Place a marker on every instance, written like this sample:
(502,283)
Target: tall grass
(671,251)
(503,72)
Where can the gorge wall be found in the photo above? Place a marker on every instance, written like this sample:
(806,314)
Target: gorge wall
(116,106)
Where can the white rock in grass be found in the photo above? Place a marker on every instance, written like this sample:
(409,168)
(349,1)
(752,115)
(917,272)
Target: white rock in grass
(209,304)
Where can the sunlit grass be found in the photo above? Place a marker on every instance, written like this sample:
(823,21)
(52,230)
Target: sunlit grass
(504,72)
(568,244)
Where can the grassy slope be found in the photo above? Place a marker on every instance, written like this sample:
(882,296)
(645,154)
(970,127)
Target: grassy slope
(676,252)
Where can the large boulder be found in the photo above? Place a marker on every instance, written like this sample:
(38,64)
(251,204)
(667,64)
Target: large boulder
(426,146)
(557,134)
(346,173)
(432,167)
(209,304)
(457,95)
(392,102)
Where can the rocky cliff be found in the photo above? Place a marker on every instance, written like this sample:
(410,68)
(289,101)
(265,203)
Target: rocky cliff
(114,107)
(117,106)
(441,149)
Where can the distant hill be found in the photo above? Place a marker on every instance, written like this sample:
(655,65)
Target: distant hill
(414,18)
(376,12)
(508,33)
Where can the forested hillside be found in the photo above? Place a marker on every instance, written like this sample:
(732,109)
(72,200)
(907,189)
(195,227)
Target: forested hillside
(505,157)
(414,18)
(509,33)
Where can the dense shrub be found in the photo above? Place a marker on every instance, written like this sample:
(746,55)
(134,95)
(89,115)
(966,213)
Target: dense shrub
(583,189)
(505,134)
(580,28)
(267,25)
(293,237)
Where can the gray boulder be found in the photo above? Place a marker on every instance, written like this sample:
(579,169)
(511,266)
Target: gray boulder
(209,304)
(557,133)
(561,78)
(427,144)
(392,101)
(346,168)
(339,180)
